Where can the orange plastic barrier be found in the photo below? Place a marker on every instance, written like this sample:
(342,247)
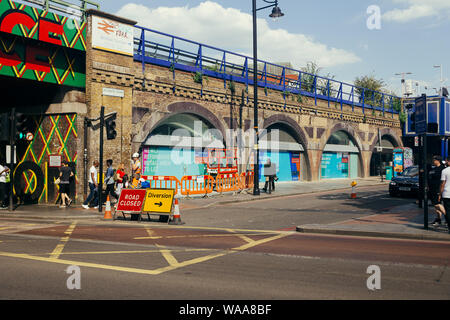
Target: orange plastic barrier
(197,185)
(247,180)
(227,182)
(163,182)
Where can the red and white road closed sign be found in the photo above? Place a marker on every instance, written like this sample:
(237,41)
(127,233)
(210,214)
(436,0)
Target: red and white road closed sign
(131,200)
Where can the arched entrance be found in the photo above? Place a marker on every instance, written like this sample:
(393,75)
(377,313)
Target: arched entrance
(382,155)
(176,146)
(341,157)
(280,143)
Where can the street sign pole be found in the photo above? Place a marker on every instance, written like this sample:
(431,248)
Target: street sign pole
(425,183)
(421,130)
(11,159)
(100,180)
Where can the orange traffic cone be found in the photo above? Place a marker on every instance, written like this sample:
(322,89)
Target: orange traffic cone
(108,215)
(176,215)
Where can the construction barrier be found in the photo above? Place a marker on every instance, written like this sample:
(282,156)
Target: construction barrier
(247,180)
(163,182)
(191,185)
(227,182)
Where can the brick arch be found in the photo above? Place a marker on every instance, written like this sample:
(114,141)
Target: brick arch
(353,135)
(178,108)
(342,127)
(299,135)
(386,132)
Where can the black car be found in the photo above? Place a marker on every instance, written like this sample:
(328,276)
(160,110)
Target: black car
(406,182)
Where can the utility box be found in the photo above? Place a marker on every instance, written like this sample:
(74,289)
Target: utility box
(389,173)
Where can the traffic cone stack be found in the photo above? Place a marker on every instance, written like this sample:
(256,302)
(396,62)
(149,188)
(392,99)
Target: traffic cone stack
(108,215)
(176,220)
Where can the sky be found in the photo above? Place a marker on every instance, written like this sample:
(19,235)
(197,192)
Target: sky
(347,39)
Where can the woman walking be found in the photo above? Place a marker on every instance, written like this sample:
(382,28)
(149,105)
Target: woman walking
(64,185)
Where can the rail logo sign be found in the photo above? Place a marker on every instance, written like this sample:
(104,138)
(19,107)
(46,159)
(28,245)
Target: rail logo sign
(131,200)
(159,200)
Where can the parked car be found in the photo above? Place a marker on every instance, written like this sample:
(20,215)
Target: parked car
(406,183)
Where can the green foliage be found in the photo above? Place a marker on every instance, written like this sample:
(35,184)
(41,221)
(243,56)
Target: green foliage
(198,77)
(312,69)
(232,87)
(372,88)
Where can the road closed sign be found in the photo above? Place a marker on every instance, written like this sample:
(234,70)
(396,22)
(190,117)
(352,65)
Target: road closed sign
(131,200)
(159,200)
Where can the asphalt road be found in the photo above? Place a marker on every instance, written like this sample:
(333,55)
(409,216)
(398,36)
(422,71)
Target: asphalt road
(286,212)
(130,260)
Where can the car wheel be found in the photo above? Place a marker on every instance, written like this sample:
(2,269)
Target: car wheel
(393,194)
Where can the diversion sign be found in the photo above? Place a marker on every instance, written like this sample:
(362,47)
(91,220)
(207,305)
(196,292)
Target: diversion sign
(159,200)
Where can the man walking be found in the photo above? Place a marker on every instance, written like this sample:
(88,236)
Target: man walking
(109,178)
(93,187)
(435,175)
(445,192)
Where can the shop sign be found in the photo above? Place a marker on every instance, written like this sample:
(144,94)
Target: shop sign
(30,22)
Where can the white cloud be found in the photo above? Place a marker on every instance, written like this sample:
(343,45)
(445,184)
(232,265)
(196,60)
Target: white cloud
(418,9)
(231,29)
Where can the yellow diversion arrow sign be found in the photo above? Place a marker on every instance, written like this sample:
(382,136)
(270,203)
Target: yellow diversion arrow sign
(159,200)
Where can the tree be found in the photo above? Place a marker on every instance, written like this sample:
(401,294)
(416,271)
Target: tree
(312,71)
(372,88)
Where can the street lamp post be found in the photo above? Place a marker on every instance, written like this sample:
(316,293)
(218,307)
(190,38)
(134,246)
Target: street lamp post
(276,13)
(440,80)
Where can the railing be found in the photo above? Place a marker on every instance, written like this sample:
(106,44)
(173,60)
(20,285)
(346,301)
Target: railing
(176,53)
(74,8)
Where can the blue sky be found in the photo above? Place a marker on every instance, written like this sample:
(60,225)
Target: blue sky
(332,33)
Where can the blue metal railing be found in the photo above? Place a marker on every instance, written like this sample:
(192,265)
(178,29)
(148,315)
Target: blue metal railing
(70,8)
(176,53)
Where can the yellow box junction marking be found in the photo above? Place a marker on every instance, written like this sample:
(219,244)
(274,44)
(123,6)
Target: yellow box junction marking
(167,254)
(158,200)
(60,247)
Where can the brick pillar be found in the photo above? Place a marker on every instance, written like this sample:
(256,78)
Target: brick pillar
(109,83)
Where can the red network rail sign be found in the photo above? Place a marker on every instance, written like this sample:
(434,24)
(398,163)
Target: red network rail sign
(131,200)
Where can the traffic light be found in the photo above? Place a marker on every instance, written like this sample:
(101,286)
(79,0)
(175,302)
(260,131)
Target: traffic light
(110,124)
(21,126)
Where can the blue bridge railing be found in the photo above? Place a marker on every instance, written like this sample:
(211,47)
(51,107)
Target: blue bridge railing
(176,53)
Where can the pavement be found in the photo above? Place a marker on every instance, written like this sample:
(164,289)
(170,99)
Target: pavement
(404,221)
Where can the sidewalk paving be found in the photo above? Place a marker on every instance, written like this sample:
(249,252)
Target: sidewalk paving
(405,221)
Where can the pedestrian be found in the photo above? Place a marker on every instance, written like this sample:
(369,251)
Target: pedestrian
(109,179)
(270,171)
(126,182)
(444,194)
(93,187)
(119,178)
(65,173)
(435,175)
(136,164)
(4,186)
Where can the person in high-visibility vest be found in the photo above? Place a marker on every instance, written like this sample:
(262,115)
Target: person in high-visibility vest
(4,186)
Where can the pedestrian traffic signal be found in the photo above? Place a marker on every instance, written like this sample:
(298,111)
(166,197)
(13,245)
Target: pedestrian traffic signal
(22,126)
(110,124)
